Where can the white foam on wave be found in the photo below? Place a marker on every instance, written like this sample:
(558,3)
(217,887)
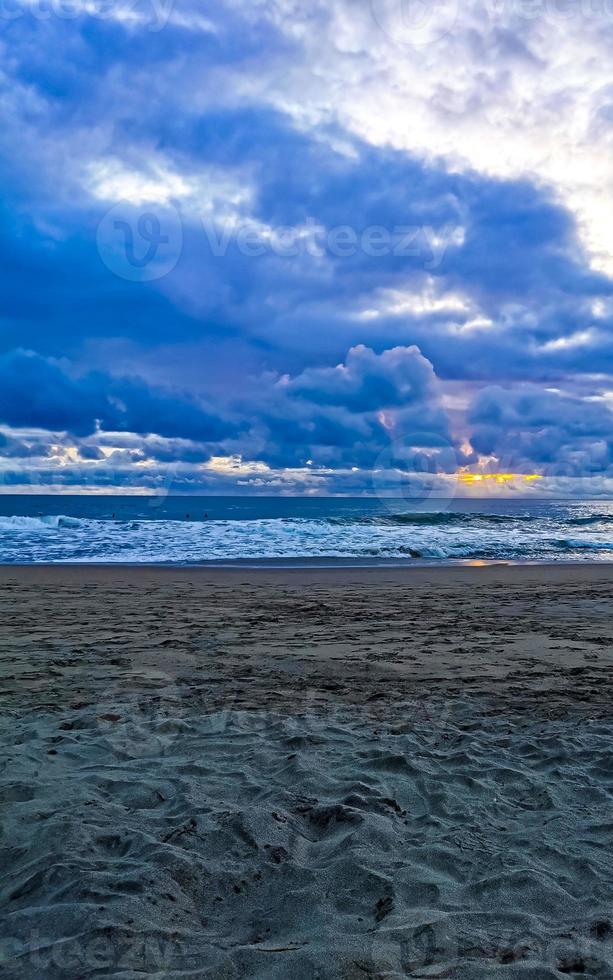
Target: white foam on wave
(582,543)
(44,522)
(18,523)
(60,538)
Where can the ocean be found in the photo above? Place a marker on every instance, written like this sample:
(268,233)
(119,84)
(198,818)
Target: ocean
(261,530)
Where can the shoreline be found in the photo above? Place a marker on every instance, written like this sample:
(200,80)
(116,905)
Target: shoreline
(479,568)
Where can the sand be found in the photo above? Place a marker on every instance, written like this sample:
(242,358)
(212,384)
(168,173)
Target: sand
(306,773)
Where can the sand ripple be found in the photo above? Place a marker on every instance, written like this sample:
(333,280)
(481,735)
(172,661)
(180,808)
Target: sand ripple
(252,844)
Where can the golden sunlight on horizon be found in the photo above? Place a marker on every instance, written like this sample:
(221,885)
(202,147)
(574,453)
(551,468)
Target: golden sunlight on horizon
(497,477)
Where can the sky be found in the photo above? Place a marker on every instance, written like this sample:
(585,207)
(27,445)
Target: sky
(334,247)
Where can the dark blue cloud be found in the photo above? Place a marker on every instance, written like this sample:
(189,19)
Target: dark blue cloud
(88,96)
(12,448)
(552,431)
(347,416)
(367,382)
(37,393)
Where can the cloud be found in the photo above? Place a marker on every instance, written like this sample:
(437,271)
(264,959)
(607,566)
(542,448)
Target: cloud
(367,381)
(36,392)
(360,228)
(352,414)
(345,416)
(552,431)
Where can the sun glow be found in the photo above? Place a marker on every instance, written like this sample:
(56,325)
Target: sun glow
(496,477)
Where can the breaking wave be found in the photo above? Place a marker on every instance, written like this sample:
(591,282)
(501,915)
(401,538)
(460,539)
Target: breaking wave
(41,523)
(545,535)
(432,518)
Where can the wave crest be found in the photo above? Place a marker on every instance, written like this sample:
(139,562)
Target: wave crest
(41,523)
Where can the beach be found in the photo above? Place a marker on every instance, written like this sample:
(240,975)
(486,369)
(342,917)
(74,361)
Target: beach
(306,772)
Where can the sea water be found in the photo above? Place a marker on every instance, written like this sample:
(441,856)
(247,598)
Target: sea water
(197,530)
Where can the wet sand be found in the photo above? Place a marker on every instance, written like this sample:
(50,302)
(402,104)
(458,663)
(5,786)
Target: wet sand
(306,772)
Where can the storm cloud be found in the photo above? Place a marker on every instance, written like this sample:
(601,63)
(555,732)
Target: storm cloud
(298,241)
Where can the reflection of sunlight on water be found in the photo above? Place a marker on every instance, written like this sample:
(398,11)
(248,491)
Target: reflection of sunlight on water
(486,562)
